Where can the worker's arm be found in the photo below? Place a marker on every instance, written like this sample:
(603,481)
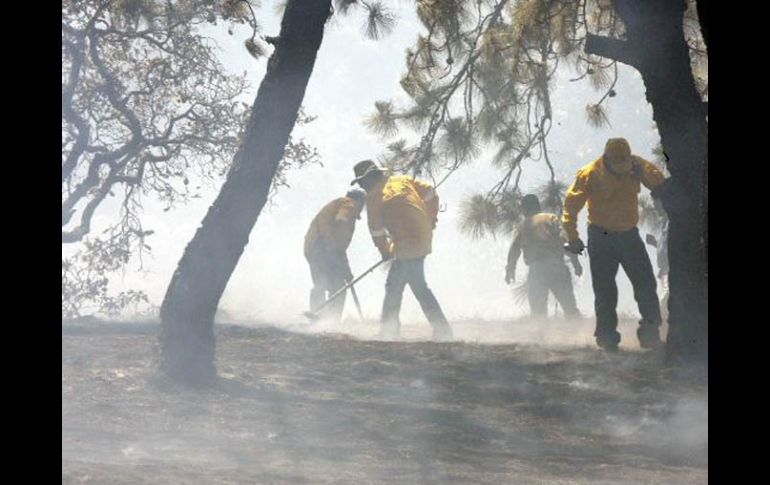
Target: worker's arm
(671,194)
(430,197)
(576,266)
(513,257)
(377,227)
(577,195)
(649,175)
(559,232)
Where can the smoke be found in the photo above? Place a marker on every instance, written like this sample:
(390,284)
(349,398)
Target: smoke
(679,431)
(271,283)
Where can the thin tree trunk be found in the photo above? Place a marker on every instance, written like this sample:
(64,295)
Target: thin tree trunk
(656,47)
(192,297)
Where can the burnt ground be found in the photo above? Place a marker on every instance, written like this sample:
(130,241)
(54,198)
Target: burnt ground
(317,409)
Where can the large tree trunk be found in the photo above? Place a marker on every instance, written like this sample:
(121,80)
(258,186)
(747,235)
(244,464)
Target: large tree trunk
(703,18)
(187,312)
(656,47)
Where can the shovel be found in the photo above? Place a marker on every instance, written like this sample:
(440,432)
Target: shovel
(313,314)
(358,304)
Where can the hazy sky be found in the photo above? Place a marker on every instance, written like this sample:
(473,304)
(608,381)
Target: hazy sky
(272,281)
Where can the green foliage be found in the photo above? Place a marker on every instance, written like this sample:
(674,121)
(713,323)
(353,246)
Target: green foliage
(85,280)
(596,116)
(379,21)
(479,78)
(478,216)
(383,121)
(147,108)
(551,195)
(500,213)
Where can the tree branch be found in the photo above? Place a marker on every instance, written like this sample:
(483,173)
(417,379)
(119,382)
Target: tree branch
(69,113)
(610,48)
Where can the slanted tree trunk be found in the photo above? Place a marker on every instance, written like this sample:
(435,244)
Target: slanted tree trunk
(187,313)
(655,45)
(703,19)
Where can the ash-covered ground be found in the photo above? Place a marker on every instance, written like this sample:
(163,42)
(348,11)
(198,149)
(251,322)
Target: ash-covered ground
(539,405)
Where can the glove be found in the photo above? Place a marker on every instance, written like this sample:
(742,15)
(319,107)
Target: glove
(575,246)
(386,252)
(510,275)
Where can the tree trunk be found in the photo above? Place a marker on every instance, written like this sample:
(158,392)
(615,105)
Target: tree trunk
(656,47)
(703,18)
(187,313)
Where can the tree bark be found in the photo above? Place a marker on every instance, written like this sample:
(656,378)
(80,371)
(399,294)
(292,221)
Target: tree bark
(656,47)
(187,313)
(703,18)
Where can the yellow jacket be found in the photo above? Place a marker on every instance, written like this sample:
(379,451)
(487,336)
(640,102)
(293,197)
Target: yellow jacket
(402,213)
(612,199)
(539,238)
(332,228)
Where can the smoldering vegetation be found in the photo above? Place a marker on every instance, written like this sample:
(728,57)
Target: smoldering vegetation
(332,408)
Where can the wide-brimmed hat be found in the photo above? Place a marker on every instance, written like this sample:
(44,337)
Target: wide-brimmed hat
(364,168)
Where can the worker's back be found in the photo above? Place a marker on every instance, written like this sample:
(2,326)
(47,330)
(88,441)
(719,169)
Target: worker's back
(407,208)
(540,238)
(332,228)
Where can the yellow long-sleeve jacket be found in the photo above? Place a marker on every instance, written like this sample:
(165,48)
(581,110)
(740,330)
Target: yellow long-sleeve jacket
(613,200)
(402,213)
(539,238)
(332,228)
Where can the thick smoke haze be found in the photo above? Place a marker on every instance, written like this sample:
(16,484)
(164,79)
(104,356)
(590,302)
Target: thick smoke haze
(514,400)
(272,280)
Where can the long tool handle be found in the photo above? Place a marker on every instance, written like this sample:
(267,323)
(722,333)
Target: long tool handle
(358,304)
(344,288)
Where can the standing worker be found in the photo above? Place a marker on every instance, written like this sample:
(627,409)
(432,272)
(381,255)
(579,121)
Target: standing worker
(326,244)
(402,213)
(541,241)
(610,185)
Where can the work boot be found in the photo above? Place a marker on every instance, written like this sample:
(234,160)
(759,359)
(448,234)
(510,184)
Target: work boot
(443,333)
(389,331)
(608,343)
(649,337)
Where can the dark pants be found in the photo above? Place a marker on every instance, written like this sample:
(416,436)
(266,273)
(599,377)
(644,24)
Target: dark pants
(329,271)
(550,275)
(608,250)
(411,271)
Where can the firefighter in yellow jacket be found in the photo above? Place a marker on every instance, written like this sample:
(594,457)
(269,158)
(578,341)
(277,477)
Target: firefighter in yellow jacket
(402,213)
(610,186)
(326,243)
(541,241)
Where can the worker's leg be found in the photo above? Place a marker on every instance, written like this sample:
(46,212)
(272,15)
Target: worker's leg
(537,290)
(394,292)
(336,279)
(636,263)
(605,260)
(560,283)
(318,292)
(426,298)
(664,305)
